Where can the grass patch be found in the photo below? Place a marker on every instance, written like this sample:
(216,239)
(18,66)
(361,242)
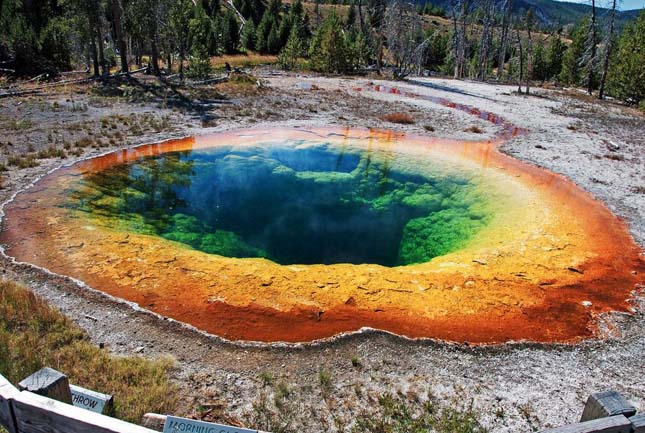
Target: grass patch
(398,415)
(19,124)
(34,335)
(326,384)
(247,60)
(84,142)
(239,84)
(402,118)
(22,162)
(50,152)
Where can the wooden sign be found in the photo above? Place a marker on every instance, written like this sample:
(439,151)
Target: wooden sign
(90,400)
(184,425)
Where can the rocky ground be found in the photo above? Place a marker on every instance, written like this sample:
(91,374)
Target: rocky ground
(514,387)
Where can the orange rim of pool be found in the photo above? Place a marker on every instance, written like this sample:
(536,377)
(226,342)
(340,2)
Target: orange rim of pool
(301,234)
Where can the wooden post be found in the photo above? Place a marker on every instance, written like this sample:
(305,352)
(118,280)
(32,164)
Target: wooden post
(48,383)
(7,393)
(638,423)
(604,404)
(153,421)
(614,424)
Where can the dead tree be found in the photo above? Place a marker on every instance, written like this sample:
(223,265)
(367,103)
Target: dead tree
(521,71)
(93,50)
(317,12)
(99,35)
(377,9)
(459,20)
(117,13)
(486,39)
(608,48)
(529,51)
(455,42)
(503,46)
(591,47)
(90,11)
(403,32)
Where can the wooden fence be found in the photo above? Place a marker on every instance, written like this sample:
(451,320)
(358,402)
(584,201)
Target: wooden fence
(26,412)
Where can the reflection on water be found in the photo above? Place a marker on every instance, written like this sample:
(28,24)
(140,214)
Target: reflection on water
(290,202)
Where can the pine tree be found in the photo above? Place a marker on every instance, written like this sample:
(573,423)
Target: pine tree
(362,49)
(35,36)
(201,36)
(571,63)
(554,57)
(627,73)
(229,32)
(248,36)
(292,51)
(55,44)
(329,51)
(437,52)
(275,6)
(262,33)
(211,7)
(179,24)
(252,10)
(539,70)
(284,30)
(273,41)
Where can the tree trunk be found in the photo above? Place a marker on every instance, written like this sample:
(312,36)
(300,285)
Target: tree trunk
(139,55)
(462,47)
(485,41)
(123,51)
(317,12)
(455,44)
(95,56)
(460,38)
(592,58)
(360,15)
(464,30)
(379,53)
(155,57)
(169,61)
(104,68)
(182,58)
(609,46)
(501,59)
(529,58)
(520,72)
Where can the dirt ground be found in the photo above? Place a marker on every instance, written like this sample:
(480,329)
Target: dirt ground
(514,387)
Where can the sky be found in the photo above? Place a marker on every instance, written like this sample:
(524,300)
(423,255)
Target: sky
(624,4)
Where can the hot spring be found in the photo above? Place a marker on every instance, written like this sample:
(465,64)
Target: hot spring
(300,234)
(292,202)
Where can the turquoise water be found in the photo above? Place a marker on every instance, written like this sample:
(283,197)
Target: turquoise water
(290,202)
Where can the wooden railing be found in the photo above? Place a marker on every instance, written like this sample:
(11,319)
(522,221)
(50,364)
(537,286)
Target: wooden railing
(26,412)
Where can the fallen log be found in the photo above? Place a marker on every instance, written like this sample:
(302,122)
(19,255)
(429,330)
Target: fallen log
(8,94)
